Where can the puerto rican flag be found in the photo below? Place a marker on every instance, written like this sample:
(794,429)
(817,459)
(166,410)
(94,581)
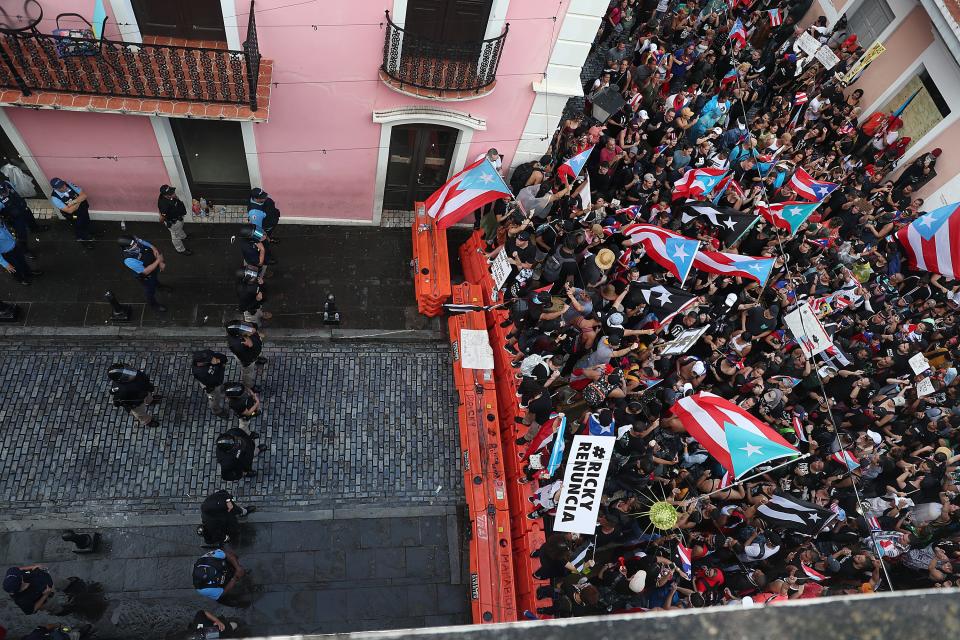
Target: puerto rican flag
(697,182)
(685,560)
(734,264)
(801,97)
(573,166)
(808,188)
(932,241)
(478,184)
(776,18)
(672,251)
(738,33)
(729,77)
(812,573)
(787,215)
(798,428)
(845,457)
(734,438)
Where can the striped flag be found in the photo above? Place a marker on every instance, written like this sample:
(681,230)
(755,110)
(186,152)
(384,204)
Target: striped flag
(784,511)
(478,184)
(787,215)
(556,455)
(697,182)
(729,77)
(670,250)
(573,166)
(812,573)
(800,97)
(685,560)
(733,437)
(932,241)
(734,264)
(845,457)
(738,33)
(808,188)
(798,428)
(776,18)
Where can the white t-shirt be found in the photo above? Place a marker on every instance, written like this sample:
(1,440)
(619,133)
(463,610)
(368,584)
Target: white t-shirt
(497,164)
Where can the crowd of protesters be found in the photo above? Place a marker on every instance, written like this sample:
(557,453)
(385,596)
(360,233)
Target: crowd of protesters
(587,344)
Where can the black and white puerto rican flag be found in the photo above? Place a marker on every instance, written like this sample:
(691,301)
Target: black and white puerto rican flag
(784,511)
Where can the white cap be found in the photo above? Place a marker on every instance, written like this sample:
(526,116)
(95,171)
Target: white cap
(643,114)
(699,368)
(876,437)
(638,581)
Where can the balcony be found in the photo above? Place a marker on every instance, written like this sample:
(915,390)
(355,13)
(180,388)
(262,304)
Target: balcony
(153,77)
(419,66)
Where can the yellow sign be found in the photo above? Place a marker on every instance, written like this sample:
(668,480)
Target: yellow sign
(868,56)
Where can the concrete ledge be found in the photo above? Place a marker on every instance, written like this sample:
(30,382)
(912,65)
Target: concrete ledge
(150,333)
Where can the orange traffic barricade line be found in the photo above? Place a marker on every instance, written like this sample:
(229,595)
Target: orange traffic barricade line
(492,588)
(431,263)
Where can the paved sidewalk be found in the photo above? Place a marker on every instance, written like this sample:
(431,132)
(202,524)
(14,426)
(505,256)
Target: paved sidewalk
(311,576)
(366,268)
(347,423)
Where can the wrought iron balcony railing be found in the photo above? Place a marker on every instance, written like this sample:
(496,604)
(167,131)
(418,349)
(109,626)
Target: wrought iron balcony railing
(32,61)
(440,66)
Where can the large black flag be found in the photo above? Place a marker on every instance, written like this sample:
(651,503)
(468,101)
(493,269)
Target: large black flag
(665,302)
(731,223)
(784,511)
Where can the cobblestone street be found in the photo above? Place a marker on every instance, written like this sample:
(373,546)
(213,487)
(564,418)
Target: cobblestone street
(346,423)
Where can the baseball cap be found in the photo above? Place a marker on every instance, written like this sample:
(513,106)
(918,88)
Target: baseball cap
(56,183)
(258,193)
(632,150)
(523,235)
(167,190)
(648,176)
(643,114)
(699,368)
(13,580)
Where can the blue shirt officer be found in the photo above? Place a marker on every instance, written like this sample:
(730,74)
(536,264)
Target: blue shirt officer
(18,215)
(12,258)
(262,212)
(146,262)
(71,201)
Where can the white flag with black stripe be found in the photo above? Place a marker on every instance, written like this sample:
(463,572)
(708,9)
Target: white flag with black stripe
(784,511)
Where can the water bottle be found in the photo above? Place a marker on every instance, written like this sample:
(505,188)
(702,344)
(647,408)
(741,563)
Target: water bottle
(204,210)
(123,225)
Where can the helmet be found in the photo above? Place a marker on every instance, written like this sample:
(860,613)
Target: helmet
(125,241)
(226,442)
(119,372)
(248,276)
(241,329)
(234,390)
(200,357)
(251,233)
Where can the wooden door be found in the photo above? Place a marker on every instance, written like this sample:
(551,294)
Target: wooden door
(189,19)
(418,165)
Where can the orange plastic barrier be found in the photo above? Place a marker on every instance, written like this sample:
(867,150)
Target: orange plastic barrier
(431,263)
(492,590)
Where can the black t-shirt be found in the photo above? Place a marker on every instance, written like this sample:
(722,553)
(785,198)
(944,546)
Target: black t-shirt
(541,408)
(171,209)
(37,581)
(247,297)
(757,323)
(233,462)
(208,374)
(251,253)
(132,393)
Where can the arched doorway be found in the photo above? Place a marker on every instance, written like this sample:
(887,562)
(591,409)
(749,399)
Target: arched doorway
(418,163)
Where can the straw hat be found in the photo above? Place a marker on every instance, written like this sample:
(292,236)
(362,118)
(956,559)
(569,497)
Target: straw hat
(605,259)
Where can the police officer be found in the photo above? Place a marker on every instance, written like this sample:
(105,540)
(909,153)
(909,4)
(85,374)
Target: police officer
(250,296)
(133,391)
(13,260)
(18,215)
(208,367)
(146,261)
(172,213)
(269,216)
(71,201)
(246,344)
(219,517)
(244,403)
(235,451)
(253,248)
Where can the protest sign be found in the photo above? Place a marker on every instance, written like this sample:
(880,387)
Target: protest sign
(583,479)
(919,363)
(500,270)
(683,342)
(807,330)
(475,349)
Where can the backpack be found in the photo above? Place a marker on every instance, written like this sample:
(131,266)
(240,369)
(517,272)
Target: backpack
(208,571)
(552,267)
(520,176)
(530,363)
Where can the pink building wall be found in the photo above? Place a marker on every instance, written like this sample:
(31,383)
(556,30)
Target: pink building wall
(63,143)
(309,112)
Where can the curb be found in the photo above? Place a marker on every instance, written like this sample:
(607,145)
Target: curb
(147,333)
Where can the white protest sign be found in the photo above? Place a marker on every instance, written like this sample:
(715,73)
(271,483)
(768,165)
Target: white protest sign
(925,388)
(683,342)
(586,471)
(807,330)
(500,270)
(827,57)
(919,363)
(475,350)
(808,44)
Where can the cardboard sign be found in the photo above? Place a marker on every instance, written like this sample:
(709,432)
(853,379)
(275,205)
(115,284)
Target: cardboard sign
(868,56)
(684,341)
(583,479)
(475,350)
(500,270)
(827,57)
(808,44)
(807,330)
(919,363)
(925,388)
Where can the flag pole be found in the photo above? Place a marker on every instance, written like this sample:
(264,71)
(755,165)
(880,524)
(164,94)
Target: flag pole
(756,475)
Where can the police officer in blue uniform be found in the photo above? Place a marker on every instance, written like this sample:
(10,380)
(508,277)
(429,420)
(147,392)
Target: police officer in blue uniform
(71,201)
(17,214)
(253,248)
(264,215)
(146,261)
(12,258)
